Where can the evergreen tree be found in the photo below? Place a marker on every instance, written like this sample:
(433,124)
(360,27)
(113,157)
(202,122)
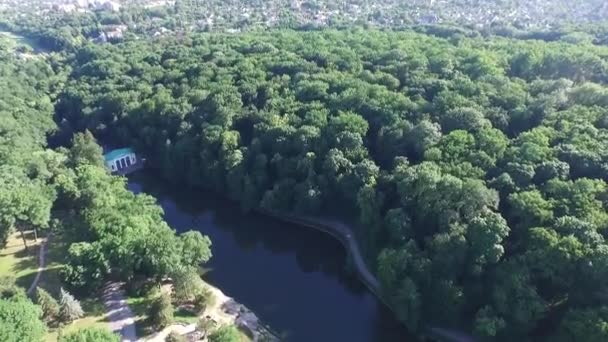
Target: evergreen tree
(70,309)
(48,304)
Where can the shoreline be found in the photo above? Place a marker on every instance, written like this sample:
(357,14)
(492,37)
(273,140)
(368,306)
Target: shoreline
(225,310)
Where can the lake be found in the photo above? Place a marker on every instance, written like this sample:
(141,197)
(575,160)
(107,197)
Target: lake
(295,279)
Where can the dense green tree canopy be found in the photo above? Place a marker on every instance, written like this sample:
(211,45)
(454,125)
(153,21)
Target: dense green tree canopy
(476,165)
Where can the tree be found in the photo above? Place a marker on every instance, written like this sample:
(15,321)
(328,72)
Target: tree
(161,311)
(196,248)
(226,333)
(86,266)
(70,309)
(85,150)
(204,299)
(187,284)
(48,304)
(587,324)
(20,320)
(91,334)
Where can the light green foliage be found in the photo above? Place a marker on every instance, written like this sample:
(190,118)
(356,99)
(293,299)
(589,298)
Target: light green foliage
(161,311)
(90,335)
(475,164)
(175,337)
(85,150)
(70,309)
(226,333)
(20,320)
(187,284)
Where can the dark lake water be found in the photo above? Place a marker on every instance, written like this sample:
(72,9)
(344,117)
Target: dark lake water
(293,278)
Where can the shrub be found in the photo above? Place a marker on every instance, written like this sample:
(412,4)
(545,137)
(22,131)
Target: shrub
(90,335)
(70,309)
(226,333)
(175,337)
(161,311)
(48,304)
(205,325)
(203,299)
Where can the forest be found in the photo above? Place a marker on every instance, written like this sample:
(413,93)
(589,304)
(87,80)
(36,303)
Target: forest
(68,192)
(476,165)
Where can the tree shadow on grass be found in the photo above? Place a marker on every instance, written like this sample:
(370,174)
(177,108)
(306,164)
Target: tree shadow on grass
(140,307)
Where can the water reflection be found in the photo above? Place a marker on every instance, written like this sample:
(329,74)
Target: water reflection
(293,278)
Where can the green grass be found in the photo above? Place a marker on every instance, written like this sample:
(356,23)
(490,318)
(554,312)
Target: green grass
(185,316)
(15,261)
(23,265)
(13,41)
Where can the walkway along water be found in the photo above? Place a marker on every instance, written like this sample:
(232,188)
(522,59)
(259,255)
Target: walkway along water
(344,234)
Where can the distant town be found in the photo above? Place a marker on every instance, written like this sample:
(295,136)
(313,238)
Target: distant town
(158,17)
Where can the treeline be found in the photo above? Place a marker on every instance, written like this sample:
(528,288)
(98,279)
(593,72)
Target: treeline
(108,230)
(477,165)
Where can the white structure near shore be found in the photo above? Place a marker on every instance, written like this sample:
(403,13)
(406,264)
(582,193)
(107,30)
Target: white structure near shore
(122,158)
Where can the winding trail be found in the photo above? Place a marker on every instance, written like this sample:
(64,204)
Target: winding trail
(343,233)
(41,263)
(120,316)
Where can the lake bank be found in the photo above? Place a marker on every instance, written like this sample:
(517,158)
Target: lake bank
(314,298)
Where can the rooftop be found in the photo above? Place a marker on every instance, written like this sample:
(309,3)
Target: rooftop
(117,153)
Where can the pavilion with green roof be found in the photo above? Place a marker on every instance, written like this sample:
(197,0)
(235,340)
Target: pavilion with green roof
(120,159)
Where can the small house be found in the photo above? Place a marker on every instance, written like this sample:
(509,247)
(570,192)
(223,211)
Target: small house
(120,159)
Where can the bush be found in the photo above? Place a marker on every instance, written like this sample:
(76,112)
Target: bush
(48,304)
(203,300)
(226,333)
(20,320)
(175,337)
(205,325)
(90,335)
(70,309)
(187,284)
(161,311)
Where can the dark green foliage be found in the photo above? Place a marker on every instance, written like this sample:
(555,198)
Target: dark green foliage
(90,335)
(49,305)
(476,165)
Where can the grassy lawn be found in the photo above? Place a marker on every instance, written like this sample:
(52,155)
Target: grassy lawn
(94,317)
(23,265)
(12,41)
(140,306)
(17,262)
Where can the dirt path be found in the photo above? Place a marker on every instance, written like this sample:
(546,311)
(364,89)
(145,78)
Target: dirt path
(120,316)
(41,263)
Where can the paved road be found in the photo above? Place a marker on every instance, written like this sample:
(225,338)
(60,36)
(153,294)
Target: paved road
(41,263)
(120,315)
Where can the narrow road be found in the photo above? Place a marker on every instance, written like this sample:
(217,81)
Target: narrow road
(120,315)
(41,263)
